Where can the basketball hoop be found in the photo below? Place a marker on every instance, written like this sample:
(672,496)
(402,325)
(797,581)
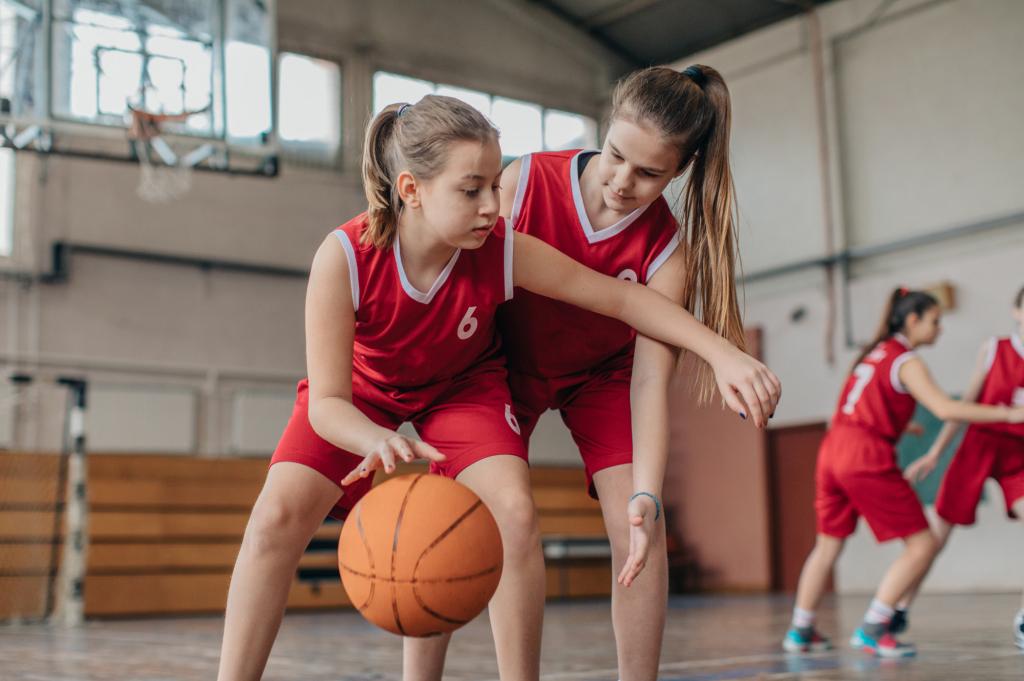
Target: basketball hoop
(163,175)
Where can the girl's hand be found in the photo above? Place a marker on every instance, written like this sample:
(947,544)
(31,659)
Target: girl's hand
(383,455)
(641,512)
(922,468)
(748,387)
(1016,415)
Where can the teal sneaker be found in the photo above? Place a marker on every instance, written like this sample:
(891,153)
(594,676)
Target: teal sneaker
(885,646)
(795,642)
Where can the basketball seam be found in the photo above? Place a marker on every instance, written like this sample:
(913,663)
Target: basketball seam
(369,558)
(439,580)
(441,537)
(433,613)
(394,554)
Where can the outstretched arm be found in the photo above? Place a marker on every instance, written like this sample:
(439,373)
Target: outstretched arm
(915,376)
(747,386)
(923,467)
(653,365)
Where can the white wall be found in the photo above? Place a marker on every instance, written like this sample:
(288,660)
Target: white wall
(923,112)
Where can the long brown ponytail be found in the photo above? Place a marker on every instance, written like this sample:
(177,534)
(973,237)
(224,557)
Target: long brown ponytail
(692,109)
(414,138)
(901,304)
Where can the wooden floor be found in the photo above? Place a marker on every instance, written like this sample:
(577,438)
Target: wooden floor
(961,638)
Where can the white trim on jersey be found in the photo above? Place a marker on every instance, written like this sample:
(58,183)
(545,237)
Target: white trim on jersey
(593,236)
(1018,344)
(665,254)
(894,371)
(990,353)
(413,292)
(509,250)
(524,178)
(353,270)
(903,340)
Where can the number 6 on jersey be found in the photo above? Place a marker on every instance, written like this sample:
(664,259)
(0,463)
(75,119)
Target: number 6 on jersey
(467,327)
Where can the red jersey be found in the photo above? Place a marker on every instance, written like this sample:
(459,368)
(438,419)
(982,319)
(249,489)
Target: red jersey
(406,338)
(1004,381)
(873,398)
(549,338)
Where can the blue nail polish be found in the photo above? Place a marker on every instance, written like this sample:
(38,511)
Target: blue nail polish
(743,416)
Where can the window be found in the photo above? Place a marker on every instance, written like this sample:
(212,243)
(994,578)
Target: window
(524,126)
(247,79)
(481,101)
(111,62)
(563,130)
(521,125)
(309,106)
(165,57)
(389,88)
(20,51)
(6,202)
(8,49)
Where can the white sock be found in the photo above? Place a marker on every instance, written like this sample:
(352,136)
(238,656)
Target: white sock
(802,619)
(878,613)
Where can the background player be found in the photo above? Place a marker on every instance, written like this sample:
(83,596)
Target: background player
(988,450)
(857,472)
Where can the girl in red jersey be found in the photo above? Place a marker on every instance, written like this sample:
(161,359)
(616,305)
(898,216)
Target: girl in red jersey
(607,210)
(857,474)
(990,450)
(400,327)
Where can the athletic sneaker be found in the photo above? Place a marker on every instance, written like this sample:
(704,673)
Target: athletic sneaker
(885,646)
(795,642)
(1018,629)
(899,622)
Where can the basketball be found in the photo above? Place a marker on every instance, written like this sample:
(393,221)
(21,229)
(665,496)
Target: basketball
(420,555)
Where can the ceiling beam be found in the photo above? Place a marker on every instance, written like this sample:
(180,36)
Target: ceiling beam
(544,18)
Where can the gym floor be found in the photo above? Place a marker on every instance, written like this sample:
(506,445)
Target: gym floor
(718,638)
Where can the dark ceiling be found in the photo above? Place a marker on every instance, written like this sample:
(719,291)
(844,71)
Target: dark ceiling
(645,32)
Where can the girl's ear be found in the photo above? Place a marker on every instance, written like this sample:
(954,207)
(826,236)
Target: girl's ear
(408,189)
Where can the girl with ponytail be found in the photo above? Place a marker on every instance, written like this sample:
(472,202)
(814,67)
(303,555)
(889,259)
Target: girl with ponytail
(400,327)
(857,473)
(606,209)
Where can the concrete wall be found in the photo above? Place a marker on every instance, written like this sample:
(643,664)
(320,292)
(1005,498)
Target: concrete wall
(231,344)
(922,110)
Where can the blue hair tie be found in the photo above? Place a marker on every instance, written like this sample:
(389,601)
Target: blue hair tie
(657,504)
(696,74)
(401,110)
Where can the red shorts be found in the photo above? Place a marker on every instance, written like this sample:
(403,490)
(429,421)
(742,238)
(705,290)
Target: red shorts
(594,406)
(468,420)
(982,454)
(857,476)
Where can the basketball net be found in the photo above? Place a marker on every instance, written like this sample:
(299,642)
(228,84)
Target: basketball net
(163,176)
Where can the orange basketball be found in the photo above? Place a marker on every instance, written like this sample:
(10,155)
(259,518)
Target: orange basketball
(420,555)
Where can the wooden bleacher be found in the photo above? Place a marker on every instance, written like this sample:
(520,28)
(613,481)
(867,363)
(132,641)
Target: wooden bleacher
(164,532)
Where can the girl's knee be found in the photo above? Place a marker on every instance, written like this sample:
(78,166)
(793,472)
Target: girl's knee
(276,524)
(517,519)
